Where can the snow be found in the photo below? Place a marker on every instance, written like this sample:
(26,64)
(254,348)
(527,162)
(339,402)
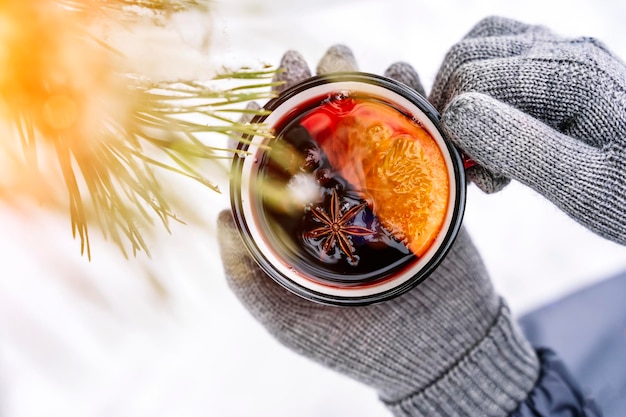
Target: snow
(165,337)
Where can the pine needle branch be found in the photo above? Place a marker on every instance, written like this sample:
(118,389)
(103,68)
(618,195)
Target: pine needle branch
(111,135)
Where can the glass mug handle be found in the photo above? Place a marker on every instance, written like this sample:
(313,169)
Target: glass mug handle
(467,161)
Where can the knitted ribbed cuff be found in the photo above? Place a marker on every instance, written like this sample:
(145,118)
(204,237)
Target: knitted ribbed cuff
(490,380)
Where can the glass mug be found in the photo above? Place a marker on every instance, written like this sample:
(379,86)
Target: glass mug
(356,197)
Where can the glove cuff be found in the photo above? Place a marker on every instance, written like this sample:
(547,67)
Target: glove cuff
(490,380)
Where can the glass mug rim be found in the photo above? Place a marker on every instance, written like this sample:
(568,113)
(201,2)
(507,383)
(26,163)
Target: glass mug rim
(246,157)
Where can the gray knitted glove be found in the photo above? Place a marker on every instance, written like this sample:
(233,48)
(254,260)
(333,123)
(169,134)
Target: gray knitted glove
(446,348)
(544,110)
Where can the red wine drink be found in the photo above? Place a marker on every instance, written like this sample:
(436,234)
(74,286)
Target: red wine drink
(356,197)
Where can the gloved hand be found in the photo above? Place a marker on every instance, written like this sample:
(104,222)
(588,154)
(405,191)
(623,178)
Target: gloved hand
(446,348)
(547,111)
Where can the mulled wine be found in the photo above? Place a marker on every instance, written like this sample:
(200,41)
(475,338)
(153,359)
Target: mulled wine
(357,196)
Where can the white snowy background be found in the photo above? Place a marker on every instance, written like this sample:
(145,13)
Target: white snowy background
(166,338)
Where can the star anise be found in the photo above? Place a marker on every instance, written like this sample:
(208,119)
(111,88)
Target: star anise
(336,228)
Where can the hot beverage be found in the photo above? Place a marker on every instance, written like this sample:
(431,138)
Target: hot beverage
(356,197)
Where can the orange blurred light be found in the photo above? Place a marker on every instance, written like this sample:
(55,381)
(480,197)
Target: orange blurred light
(60,112)
(56,81)
(59,90)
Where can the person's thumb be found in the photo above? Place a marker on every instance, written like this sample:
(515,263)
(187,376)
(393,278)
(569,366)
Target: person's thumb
(270,303)
(240,269)
(577,177)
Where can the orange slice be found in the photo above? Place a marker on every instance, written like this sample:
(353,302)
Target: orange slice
(398,165)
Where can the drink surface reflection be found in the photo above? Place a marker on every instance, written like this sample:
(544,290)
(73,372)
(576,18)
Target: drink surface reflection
(363,188)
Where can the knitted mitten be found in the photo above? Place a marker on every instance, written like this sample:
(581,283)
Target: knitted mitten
(547,111)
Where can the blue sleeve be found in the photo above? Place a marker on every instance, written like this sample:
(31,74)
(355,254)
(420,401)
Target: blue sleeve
(556,393)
